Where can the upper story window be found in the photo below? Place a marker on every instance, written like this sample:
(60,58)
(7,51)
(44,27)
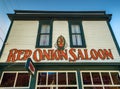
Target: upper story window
(44,37)
(76,34)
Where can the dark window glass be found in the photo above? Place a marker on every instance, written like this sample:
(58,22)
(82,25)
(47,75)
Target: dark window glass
(22,80)
(86,78)
(57,80)
(46,88)
(51,78)
(96,78)
(42,78)
(115,77)
(93,88)
(8,80)
(67,87)
(106,78)
(112,87)
(62,78)
(71,78)
(43,88)
(101,80)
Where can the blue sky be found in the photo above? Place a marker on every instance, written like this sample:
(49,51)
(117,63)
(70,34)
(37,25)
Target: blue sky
(110,6)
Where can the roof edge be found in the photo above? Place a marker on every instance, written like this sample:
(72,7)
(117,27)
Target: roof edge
(36,15)
(43,11)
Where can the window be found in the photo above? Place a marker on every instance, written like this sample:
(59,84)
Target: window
(44,37)
(15,80)
(100,80)
(56,80)
(76,34)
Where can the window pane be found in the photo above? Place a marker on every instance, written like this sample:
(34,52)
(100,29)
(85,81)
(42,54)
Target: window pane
(45,28)
(8,80)
(112,87)
(106,78)
(42,78)
(77,40)
(23,80)
(51,78)
(96,78)
(43,88)
(62,78)
(93,88)
(44,40)
(75,28)
(86,78)
(46,88)
(67,87)
(71,78)
(115,78)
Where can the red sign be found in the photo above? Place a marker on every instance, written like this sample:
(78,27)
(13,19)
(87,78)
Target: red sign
(71,55)
(60,54)
(29,66)
(61,43)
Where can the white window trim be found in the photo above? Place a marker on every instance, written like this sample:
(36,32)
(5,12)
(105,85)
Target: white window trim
(15,80)
(57,80)
(102,85)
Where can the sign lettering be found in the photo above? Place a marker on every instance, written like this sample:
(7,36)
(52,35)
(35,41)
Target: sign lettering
(71,55)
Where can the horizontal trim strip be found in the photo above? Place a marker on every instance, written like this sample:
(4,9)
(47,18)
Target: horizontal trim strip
(36,15)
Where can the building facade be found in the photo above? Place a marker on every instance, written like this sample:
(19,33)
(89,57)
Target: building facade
(60,50)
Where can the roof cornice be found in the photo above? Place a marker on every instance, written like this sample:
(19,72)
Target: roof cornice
(36,15)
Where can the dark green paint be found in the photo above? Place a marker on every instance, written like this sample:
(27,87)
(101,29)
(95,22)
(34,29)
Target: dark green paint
(84,15)
(59,67)
(41,22)
(77,22)
(6,38)
(114,39)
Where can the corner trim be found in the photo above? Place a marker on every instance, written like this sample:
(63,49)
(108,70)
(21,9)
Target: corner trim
(114,38)
(6,38)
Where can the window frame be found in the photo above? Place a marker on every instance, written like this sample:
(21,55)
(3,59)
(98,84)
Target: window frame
(57,85)
(42,22)
(15,81)
(76,22)
(102,84)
